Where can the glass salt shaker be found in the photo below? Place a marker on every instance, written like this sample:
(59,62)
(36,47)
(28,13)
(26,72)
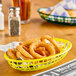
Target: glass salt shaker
(14,21)
(1,18)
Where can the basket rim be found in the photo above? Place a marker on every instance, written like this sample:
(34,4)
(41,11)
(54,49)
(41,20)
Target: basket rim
(70,46)
(52,15)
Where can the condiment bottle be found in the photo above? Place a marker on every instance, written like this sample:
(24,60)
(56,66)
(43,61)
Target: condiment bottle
(1,18)
(14,21)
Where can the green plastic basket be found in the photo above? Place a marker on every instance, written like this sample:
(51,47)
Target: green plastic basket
(57,19)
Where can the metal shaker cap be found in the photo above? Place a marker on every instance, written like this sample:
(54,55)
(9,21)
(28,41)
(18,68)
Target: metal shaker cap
(14,8)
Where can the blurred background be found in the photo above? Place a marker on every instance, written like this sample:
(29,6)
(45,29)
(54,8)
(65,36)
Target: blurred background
(35,5)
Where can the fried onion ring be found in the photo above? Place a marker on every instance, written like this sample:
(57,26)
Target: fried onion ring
(41,51)
(26,48)
(46,52)
(26,43)
(51,39)
(36,44)
(11,54)
(24,52)
(18,54)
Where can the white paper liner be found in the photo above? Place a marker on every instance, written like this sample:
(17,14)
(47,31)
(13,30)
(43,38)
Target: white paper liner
(8,46)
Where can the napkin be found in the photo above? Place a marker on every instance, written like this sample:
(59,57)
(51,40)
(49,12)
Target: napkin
(60,11)
(67,4)
(46,10)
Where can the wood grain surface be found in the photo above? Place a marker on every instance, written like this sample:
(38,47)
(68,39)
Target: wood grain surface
(35,29)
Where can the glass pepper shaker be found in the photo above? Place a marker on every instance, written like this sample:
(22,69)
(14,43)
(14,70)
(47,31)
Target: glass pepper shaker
(14,21)
(25,9)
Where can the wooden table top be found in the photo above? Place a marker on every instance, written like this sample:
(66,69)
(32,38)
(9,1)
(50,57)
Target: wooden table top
(35,29)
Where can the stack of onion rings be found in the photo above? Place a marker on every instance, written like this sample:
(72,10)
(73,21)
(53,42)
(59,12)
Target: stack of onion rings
(50,49)
(34,49)
(51,40)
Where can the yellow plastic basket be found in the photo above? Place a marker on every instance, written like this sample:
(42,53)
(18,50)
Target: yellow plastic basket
(37,64)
